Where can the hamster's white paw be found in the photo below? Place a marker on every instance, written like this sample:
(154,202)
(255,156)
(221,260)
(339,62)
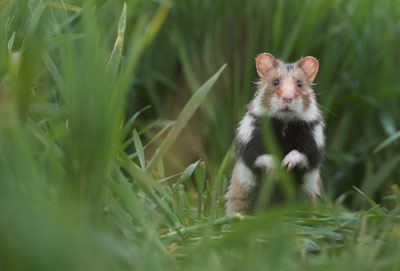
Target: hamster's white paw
(293,159)
(266,161)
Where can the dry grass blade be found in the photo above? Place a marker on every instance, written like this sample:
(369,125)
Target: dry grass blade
(116,53)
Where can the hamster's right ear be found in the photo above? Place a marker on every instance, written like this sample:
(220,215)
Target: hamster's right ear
(264,63)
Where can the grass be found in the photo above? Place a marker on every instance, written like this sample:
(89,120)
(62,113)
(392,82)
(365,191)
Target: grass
(93,178)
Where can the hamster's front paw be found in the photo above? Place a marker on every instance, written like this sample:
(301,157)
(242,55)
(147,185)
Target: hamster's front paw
(294,158)
(266,161)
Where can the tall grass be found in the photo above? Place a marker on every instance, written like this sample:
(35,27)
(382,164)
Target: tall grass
(89,174)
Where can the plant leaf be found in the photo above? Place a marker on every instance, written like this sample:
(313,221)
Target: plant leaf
(139,149)
(184,117)
(200,175)
(387,142)
(116,54)
(373,203)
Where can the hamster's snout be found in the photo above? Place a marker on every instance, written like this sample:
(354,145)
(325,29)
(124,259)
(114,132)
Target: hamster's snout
(287,98)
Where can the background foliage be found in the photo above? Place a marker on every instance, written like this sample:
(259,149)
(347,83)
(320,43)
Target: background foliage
(93,178)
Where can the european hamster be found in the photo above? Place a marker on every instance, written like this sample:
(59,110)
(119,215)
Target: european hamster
(284,95)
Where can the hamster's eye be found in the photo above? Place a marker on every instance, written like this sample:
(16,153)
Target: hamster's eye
(276,82)
(299,84)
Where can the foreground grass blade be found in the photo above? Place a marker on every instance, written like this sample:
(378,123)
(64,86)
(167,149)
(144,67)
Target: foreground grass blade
(218,222)
(184,117)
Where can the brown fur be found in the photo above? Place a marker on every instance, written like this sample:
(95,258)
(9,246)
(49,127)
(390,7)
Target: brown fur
(306,100)
(250,106)
(238,199)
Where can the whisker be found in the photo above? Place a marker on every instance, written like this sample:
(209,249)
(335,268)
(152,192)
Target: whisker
(326,109)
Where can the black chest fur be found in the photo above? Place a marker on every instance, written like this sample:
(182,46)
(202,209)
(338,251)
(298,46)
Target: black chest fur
(290,135)
(293,135)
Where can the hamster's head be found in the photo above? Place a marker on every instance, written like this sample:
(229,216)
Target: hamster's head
(285,88)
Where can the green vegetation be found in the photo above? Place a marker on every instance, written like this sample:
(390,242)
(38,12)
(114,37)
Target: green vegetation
(93,178)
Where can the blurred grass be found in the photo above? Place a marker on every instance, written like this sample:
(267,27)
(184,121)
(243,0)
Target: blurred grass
(91,178)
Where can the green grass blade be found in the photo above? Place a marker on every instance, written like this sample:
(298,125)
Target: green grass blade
(10,43)
(384,144)
(150,187)
(187,173)
(372,184)
(51,66)
(184,117)
(396,191)
(139,148)
(128,126)
(153,139)
(200,174)
(172,236)
(376,207)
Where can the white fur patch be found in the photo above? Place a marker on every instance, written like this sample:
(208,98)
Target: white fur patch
(245,176)
(295,158)
(265,161)
(246,128)
(296,113)
(259,108)
(312,184)
(312,112)
(319,135)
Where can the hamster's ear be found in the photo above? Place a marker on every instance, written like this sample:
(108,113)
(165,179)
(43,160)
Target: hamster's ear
(265,62)
(310,66)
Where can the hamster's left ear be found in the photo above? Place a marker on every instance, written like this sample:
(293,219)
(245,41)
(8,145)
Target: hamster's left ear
(310,66)
(265,63)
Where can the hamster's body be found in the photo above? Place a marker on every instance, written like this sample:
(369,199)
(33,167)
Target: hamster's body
(285,98)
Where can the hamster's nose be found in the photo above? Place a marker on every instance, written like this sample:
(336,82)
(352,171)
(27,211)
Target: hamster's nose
(287,98)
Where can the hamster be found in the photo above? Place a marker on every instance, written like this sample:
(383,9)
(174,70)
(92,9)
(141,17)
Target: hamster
(284,96)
